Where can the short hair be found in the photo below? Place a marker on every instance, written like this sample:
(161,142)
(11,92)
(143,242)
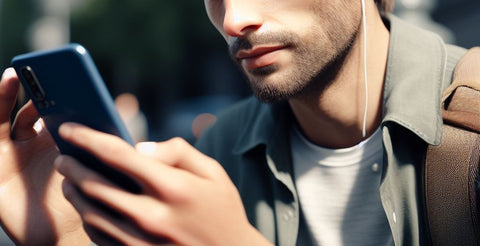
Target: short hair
(385,6)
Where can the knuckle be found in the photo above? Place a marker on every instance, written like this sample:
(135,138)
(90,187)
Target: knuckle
(182,192)
(177,143)
(89,217)
(91,185)
(157,218)
(215,169)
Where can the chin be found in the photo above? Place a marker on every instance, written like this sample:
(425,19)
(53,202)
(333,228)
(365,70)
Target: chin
(264,71)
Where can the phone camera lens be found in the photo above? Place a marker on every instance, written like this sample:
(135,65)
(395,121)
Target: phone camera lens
(32,81)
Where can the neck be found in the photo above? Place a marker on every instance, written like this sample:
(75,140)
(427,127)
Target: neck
(333,117)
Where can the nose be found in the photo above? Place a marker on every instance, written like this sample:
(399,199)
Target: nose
(241,17)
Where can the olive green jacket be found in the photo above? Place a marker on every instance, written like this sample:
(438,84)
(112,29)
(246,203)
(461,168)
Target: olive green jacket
(251,141)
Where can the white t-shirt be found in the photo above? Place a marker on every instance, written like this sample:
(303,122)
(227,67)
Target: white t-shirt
(339,191)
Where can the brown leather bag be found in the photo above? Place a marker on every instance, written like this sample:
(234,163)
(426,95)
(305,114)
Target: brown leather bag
(452,183)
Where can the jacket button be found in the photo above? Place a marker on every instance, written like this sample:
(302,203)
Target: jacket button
(375,167)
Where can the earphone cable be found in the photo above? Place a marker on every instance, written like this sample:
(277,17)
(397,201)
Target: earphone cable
(365,112)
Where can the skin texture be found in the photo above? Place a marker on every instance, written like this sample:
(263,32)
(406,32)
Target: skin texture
(308,52)
(188,196)
(303,50)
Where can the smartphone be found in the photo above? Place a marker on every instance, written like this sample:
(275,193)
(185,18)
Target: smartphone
(65,86)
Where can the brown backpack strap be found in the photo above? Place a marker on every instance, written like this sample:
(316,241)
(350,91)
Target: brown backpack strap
(452,168)
(464,113)
(467,73)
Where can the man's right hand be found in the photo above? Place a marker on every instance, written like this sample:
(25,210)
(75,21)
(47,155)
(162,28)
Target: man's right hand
(33,210)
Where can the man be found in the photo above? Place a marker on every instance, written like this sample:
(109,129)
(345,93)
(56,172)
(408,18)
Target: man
(297,170)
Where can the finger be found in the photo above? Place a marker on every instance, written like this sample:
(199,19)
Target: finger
(90,182)
(107,148)
(9,85)
(155,178)
(23,126)
(98,188)
(86,211)
(107,206)
(118,154)
(177,152)
(106,230)
(98,237)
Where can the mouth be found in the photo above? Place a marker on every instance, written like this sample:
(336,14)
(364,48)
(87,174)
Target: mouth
(259,56)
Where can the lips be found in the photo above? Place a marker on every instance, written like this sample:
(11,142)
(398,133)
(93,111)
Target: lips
(259,56)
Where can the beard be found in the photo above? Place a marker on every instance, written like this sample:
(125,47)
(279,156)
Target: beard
(316,60)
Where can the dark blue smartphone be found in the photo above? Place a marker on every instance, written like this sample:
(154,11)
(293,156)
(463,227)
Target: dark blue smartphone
(65,86)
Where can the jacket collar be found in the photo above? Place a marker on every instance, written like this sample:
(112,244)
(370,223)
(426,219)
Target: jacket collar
(270,123)
(414,79)
(416,70)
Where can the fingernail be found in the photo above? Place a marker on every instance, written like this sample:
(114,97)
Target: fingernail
(9,72)
(147,148)
(65,129)
(57,163)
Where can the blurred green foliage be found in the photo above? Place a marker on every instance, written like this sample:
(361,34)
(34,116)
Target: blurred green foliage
(164,51)
(15,18)
(161,51)
(144,40)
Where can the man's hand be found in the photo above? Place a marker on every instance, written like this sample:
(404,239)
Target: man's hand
(187,198)
(33,210)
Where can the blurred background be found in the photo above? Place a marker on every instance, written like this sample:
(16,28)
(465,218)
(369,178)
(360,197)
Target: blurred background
(163,60)
(166,54)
